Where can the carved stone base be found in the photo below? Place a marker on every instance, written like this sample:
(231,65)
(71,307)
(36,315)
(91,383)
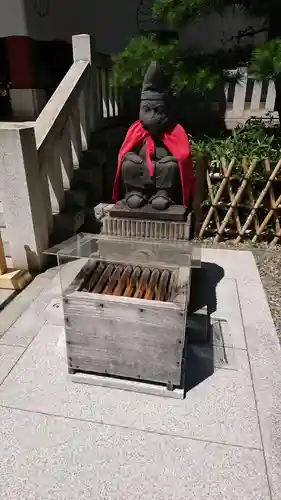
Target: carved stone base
(176,213)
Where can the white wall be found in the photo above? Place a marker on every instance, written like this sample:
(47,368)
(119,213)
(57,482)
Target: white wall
(111,22)
(12,18)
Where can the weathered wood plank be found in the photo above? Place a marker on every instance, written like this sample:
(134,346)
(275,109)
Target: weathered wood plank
(143,253)
(90,311)
(183,288)
(128,351)
(127,385)
(126,336)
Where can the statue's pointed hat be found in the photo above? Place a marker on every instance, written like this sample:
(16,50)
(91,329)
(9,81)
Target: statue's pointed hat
(156,83)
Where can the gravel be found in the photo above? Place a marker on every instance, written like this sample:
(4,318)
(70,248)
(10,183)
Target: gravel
(268,260)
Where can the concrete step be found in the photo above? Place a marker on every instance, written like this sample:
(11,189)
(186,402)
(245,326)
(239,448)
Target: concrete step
(91,224)
(113,136)
(90,180)
(67,223)
(92,157)
(75,198)
(6,296)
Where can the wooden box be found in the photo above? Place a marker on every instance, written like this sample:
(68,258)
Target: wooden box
(136,337)
(125,336)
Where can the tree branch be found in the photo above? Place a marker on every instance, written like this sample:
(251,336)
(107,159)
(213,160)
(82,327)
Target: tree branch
(247,32)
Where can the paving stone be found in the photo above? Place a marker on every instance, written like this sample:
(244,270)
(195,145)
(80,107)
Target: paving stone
(49,458)
(236,265)
(9,355)
(23,331)
(26,297)
(228,309)
(274,460)
(6,296)
(220,408)
(17,307)
(264,355)
(54,312)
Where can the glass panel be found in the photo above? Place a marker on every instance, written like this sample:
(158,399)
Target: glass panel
(83,250)
(80,245)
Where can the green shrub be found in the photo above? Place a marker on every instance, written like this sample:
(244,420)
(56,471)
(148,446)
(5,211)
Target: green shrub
(254,140)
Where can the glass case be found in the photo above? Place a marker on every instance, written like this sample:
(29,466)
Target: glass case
(74,253)
(125,305)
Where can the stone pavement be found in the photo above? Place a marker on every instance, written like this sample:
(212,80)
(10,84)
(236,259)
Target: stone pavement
(64,441)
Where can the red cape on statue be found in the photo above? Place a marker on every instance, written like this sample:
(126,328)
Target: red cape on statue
(176,141)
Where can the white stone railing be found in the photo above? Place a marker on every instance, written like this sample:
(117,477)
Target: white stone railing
(38,159)
(249,98)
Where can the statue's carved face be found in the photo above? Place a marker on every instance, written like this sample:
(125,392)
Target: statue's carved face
(154,117)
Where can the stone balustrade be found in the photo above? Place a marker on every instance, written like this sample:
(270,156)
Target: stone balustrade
(38,159)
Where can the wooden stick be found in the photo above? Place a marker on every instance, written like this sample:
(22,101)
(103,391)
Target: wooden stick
(113,281)
(162,287)
(172,287)
(124,281)
(132,283)
(258,202)
(236,200)
(94,278)
(103,279)
(13,279)
(217,197)
(151,288)
(141,288)
(84,276)
(3,266)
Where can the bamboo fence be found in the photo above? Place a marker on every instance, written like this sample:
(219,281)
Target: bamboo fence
(242,206)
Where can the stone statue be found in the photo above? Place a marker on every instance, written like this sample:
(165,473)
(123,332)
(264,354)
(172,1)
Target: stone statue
(154,162)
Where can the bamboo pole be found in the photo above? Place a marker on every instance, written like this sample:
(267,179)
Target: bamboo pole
(276,239)
(217,197)
(251,196)
(272,196)
(267,219)
(211,196)
(258,202)
(235,201)
(231,197)
(202,163)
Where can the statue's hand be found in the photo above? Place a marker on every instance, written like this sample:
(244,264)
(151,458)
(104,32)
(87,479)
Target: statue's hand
(167,160)
(132,158)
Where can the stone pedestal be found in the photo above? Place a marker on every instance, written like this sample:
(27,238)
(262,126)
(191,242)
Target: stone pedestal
(175,213)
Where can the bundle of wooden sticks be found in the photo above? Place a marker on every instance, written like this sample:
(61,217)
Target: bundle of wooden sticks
(129,281)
